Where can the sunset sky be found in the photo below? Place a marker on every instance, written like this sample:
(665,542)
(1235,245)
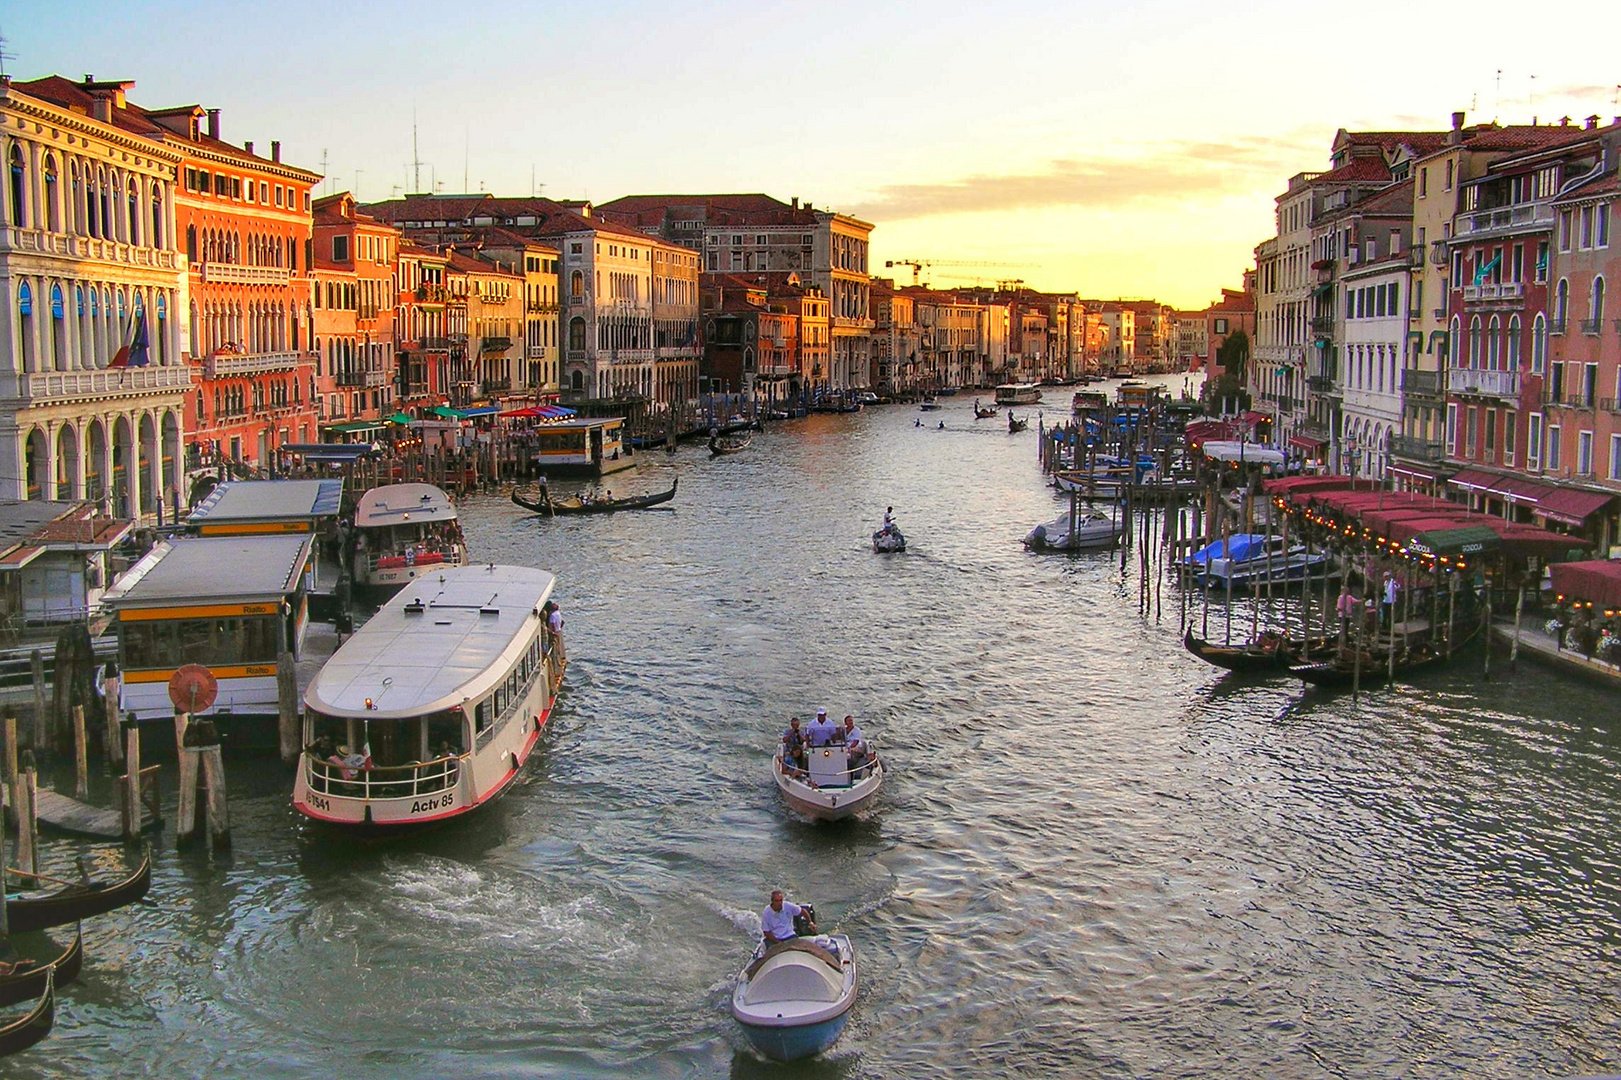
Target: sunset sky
(1113,149)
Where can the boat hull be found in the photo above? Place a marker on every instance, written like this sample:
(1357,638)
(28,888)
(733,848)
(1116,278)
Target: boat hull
(793,1043)
(829,803)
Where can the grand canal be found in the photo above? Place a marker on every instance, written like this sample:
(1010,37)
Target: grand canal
(1095,857)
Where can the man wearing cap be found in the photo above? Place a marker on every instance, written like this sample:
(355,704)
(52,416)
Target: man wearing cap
(821,730)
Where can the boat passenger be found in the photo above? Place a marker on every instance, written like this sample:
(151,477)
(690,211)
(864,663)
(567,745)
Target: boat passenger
(855,741)
(554,628)
(889,516)
(821,730)
(777,920)
(793,747)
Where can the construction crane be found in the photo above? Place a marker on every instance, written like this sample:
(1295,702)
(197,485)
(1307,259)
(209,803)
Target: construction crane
(917,265)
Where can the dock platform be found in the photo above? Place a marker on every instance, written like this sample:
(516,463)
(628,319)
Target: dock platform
(62,814)
(1541,647)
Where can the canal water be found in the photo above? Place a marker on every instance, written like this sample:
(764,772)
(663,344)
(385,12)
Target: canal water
(1095,856)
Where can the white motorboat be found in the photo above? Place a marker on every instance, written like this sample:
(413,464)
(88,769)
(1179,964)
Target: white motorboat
(888,539)
(404,531)
(1253,560)
(1018,394)
(794,997)
(1093,532)
(827,789)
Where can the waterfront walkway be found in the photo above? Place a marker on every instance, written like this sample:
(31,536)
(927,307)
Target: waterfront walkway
(1540,646)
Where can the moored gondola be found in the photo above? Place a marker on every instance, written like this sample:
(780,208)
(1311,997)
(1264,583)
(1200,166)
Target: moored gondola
(549,506)
(1273,653)
(75,901)
(1374,668)
(25,1031)
(24,980)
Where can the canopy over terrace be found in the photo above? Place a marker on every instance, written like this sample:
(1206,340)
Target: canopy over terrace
(1597,581)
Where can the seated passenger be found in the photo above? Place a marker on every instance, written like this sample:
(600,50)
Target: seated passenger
(777,920)
(856,743)
(793,746)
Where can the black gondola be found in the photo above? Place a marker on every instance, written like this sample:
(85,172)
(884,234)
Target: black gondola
(1255,657)
(728,444)
(25,979)
(1374,668)
(25,1031)
(575,505)
(984,414)
(74,902)
(1014,426)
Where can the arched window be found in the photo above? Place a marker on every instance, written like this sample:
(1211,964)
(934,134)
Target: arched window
(191,243)
(75,214)
(18,186)
(1561,305)
(576,284)
(576,333)
(1493,343)
(25,300)
(157,239)
(1474,342)
(132,198)
(576,380)
(163,329)
(1454,343)
(105,212)
(92,204)
(1539,345)
(1595,307)
(53,207)
(1512,353)
(25,312)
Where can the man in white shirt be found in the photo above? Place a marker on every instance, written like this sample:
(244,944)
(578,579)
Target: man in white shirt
(777,920)
(821,731)
(856,743)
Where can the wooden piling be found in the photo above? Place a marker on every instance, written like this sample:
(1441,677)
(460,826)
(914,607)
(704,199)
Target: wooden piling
(1514,648)
(11,757)
(81,755)
(27,822)
(132,782)
(115,737)
(186,815)
(287,708)
(41,717)
(219,814)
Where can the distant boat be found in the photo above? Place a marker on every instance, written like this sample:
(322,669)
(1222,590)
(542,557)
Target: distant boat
(1018,394)
(888,540)
(1252,560)
(1015,426)
(405,530)
(729,444)
(574,504)
(1093,532)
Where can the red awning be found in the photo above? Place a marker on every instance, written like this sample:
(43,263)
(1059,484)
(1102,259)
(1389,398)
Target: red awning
(1251,418)
(1306,442)
(1570,506)
(1598,580)
(1476,480)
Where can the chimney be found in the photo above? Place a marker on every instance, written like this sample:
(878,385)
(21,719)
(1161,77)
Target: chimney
(1457,121)
(247,147)
(1564,121)
(796,202)
(213,123)
(1592,122)
(102,109)
(275,149)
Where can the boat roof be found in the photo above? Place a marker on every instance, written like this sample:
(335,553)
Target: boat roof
(438,643)
(199,570)
(395,504)
(245,502)
(580,423)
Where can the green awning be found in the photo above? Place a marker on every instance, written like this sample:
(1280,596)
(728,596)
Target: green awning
(400,418)
(1467,540)
(352,428)
(446,414)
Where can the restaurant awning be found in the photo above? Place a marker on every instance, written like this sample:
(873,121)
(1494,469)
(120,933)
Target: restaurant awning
(1598,580)
(1451,540)
(1570,506)
(483,410)
(400,418)
(353,427)
(444,413)
(339,452)
(1306,442)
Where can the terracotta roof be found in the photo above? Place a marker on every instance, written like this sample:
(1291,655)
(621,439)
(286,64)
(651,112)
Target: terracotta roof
(136,120)
(551,218)
(472,264)
(1421,142)
(1364,169)
(720,210)
(493,234)
(1525,137)
(1607,184)
(1395,199)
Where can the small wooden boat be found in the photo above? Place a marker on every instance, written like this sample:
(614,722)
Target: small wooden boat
(728,444)
(75,901)
(1014,426)
(1374,668)
(984,414)
(793,998)
(25,979)
(1267,655)
(928,405)
(549,506)
(888,540)
(25,1031)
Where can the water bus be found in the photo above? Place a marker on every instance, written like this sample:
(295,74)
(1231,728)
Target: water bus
(233,604)
(405,530)
(1018,394)
(431,709)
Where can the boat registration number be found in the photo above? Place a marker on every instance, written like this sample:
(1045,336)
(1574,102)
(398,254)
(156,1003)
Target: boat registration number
(422,806)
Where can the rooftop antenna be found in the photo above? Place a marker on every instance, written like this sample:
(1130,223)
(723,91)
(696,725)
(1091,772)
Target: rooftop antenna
(467,150)
(4,55)
(416,158)
(1497,100)
(325,178)
(1531,96)
(358,174)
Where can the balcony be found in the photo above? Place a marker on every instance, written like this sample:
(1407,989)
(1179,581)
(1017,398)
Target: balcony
(429,293)
(1322,324)
(1610,404)
(39,242)
(1311,429)
(1320,384)
(1415,449)
(496,344)
(1473,382)
(1592,327)
(436,344)
(1503,220)
(252,364)
(376,379)
(1556,326)
(1507,290)
(535,352)
(540,307)
(231,274)
(1568,399)
(1414,381)
(54,387)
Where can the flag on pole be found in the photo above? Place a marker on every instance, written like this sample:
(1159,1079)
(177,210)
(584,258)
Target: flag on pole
(1484,271)
(136,353)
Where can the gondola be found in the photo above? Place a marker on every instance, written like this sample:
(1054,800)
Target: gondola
(984,414)
(25,1031)
(573,505)
(1343,670)
(1254,657)
(25,979)
(73,902)
(723,444)
(1015,426)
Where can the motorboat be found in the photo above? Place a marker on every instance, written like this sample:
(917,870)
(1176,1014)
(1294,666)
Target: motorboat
(402,531)
(793,998)
(928,405)
(888,540)
(1254,560)
(1018,394)
(827,789)
(1093,532)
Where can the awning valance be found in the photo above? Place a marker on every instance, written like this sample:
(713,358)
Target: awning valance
(1597,580)
(1570,506)
(1306,442)
(354,427)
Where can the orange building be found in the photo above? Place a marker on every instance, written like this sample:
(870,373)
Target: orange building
(358,253)
(421,321)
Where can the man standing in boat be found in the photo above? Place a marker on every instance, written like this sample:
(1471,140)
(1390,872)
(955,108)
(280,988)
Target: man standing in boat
(777,920)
